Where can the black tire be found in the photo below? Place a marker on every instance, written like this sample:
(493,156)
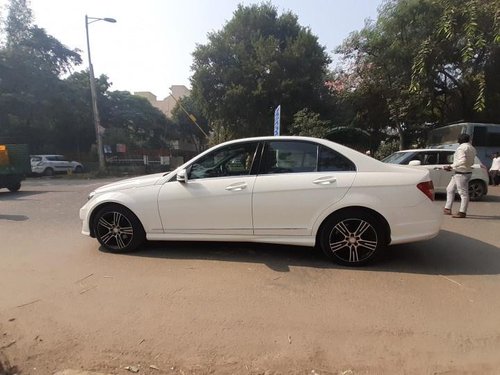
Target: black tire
(477,190)
(352,238)
(14,187)
(48,172)
(118,230)
(78,169)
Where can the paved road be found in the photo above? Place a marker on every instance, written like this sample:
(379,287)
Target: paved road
(430,307)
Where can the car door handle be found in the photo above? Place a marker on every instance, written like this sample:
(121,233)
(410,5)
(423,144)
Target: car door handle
(325,180)
(237,186)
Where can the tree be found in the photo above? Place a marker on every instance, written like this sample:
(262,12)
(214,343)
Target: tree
(378,61)
(458,59)
(184,127)
(134,119)
(31,62)
(256,62)
(309,124)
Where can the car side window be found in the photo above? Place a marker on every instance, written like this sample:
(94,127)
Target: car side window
(289,157)
(232,160)
(332,161)
(430,158)
(445,157)
(298,157)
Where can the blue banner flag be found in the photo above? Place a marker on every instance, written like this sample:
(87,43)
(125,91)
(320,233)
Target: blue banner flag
(277,116)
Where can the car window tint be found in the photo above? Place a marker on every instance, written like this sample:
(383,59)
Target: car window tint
(429,158)
(445,157)
(330,160)
(51,158)
(232,160)
(289,157)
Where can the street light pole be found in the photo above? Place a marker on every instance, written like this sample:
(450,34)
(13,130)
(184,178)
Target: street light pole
(93,93)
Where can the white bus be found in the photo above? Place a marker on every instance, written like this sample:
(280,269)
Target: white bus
(485,138)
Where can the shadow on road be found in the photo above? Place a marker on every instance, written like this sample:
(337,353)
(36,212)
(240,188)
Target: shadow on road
(14,218)
(448,254)
(18,195)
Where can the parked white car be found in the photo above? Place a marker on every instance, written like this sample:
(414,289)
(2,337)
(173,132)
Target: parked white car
(434,160)
(283,190)
(48,165)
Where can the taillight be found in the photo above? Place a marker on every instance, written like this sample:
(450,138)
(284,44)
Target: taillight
(427,188)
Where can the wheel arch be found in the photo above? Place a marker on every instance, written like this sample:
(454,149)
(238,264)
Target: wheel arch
(102,205)
(483,184)
(375,214)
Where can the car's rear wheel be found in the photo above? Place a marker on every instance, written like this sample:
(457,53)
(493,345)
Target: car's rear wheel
(48,172)
(477,190)
(78,169)
(14,187)
(117,229)
(352,238)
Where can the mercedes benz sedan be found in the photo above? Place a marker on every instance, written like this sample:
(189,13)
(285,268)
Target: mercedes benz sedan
(283,190)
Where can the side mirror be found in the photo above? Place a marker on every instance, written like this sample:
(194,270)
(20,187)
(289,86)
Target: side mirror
(182,175)
(414,163)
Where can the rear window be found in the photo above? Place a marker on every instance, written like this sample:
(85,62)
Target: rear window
(36,158)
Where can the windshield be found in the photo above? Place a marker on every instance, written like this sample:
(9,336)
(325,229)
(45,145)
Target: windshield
(396,158)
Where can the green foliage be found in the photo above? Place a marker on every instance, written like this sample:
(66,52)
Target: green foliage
(54,115)
(256,62)
(458,51)
(132,120)
(422,61)
(309,124)
(184,127)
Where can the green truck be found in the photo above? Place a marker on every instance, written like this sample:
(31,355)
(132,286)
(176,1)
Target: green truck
(14,164)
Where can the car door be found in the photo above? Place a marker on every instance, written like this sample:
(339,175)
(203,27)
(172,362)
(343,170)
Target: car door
(445,158)
(297,181)
(430,162)
(217,196)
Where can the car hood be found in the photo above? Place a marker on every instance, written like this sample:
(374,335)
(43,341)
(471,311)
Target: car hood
(130,183)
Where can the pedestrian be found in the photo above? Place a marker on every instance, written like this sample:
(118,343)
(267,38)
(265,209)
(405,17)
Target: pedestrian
(463,159)
(495,169)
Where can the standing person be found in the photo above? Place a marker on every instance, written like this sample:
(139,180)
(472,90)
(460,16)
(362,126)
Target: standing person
(463,159)
(495,169)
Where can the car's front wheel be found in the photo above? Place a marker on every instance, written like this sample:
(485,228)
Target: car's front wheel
(352,238)
(477,189)
(48,172)
(117,229)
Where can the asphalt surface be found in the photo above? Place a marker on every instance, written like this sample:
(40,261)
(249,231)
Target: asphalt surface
(430,307)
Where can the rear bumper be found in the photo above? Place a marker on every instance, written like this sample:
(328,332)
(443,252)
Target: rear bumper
(421,222)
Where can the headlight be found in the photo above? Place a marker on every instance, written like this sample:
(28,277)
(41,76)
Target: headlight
(91,195)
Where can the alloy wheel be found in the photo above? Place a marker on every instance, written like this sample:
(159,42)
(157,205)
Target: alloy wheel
(115,230)
(353,240)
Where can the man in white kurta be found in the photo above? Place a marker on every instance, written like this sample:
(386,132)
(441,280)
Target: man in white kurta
(463,159)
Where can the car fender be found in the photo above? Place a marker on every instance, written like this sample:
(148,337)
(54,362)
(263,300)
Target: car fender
(146,210)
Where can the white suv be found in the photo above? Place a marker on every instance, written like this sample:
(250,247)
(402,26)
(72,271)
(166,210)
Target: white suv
(434,160)
(48,165)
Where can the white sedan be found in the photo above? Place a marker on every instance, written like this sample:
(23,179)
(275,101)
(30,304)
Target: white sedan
(283,190)
(434,160)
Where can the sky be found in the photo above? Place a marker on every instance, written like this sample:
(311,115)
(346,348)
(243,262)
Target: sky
(150,46)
